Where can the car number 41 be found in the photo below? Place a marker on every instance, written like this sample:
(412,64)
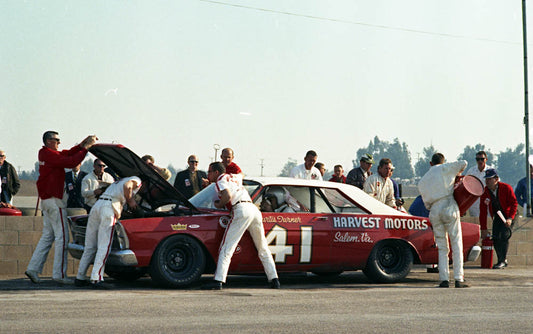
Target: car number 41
(277,242)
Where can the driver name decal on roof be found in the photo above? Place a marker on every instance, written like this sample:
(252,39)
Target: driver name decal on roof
(356,222)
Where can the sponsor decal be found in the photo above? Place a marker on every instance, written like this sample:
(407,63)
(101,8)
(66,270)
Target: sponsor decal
(194,226)
(367,222)
(281,219)
(224,221)
(356,222)
(405,224)
(353,237)
(178,227)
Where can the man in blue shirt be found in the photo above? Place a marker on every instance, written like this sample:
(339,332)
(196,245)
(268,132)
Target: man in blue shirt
(521,188)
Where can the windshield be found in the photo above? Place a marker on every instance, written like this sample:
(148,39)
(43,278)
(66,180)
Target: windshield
(205,199)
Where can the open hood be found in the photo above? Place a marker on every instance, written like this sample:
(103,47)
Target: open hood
(156,191)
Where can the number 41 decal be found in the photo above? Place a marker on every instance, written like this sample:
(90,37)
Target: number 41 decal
(277,242)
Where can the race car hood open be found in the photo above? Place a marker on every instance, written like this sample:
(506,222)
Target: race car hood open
(157,191)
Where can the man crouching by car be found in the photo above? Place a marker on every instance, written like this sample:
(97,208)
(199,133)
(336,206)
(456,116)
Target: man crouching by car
(100,226)
(245,216)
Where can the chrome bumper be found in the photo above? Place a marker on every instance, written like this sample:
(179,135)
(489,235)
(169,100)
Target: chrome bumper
(123,257)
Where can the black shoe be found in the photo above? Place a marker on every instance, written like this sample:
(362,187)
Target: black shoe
(444,284)
(499,265)
(100,286)
(274,284)
(459,284)
(215,285)
(80,283)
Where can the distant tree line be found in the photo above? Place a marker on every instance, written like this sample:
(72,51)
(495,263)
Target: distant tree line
(511,163)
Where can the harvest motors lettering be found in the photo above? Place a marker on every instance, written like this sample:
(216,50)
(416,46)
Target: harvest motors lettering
(365,222)
(405,224)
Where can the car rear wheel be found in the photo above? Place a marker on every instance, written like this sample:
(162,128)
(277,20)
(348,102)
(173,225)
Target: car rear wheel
(389,262)
(178,261)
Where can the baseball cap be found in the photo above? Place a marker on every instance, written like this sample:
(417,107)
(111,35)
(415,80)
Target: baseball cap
(491,172)
(368,158)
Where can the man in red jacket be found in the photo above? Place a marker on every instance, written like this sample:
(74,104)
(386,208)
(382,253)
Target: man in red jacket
(50,186)
(501,202)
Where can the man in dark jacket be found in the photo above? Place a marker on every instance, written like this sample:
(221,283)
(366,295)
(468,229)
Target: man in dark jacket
(358,175)
(10,180)
(191,181)
(73,185)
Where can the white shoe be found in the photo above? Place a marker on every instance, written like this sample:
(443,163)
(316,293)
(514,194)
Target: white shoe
(65,280)
(33,276)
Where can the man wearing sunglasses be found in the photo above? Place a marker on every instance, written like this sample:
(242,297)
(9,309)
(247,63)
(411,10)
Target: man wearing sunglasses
(51,189)
(479,172)
(190,181)
(95,183)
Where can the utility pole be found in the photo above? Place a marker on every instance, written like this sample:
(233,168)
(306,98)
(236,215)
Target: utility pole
(216,147)
(526,106)
(262,165)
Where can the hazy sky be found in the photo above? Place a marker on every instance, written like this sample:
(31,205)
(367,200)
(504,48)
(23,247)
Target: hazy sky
(271,79)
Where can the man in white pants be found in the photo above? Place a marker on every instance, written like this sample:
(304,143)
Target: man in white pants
(245,216)
(436,188)
(99,233)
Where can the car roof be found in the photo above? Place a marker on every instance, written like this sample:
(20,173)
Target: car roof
(358,195)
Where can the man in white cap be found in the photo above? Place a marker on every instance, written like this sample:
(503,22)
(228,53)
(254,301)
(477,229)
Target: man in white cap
(358,175)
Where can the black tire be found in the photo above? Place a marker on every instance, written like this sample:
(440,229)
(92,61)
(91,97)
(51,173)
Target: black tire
(127,274)
(177,262)
(389,262)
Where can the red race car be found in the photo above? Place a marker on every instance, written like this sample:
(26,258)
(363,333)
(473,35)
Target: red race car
(320,227)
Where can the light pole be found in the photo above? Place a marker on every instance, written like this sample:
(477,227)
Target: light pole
(216,147)
(526,106)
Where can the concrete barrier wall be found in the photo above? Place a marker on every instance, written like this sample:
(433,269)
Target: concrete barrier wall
(20,235)
(18,238)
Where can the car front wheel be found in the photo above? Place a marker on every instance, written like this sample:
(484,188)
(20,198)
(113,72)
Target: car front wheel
(389,262)
(177,262)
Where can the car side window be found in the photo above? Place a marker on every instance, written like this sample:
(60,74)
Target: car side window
(340,203)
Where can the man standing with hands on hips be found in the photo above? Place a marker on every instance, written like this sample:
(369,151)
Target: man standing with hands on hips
(245,216)
(51,189)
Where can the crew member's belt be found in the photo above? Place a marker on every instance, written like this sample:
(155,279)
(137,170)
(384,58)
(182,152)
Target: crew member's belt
(239,202)
(106,199)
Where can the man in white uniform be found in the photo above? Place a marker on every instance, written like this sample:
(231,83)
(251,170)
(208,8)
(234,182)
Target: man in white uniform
(379,185)
(436,188)
(99,234)
(479,172)
(307,170)
(94,184)
(245,216)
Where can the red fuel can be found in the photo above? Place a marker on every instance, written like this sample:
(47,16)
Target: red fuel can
(486,253)
(467,190)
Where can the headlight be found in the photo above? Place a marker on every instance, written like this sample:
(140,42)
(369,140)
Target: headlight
(122,238)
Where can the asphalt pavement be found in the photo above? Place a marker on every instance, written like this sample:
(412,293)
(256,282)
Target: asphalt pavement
(499,300)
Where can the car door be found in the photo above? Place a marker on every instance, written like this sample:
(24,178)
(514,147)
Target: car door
(298,238)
